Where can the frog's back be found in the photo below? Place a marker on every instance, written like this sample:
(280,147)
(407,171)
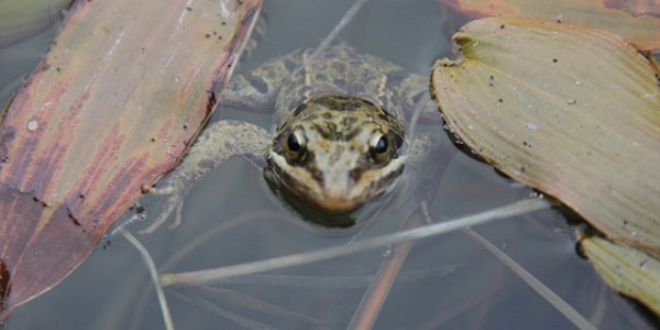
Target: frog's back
(340,70)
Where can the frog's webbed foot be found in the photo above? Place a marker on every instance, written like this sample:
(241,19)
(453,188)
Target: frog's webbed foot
(413,90)
(255,90)
(174,203)
(217,143)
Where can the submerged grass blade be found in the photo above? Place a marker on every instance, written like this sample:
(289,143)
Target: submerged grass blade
(151,266)
(562,306)
(367,312)
(205,277)
(212,307)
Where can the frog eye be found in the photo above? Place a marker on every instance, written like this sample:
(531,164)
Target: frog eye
(378,146)
(378,143)
(295,143)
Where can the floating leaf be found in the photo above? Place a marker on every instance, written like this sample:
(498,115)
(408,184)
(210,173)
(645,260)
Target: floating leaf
(636,21)
(122,92)
(628,270)
(572,111)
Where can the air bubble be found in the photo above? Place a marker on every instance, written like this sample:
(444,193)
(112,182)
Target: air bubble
(389,252)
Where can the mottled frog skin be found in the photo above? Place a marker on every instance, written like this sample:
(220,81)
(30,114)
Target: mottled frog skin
(338,138)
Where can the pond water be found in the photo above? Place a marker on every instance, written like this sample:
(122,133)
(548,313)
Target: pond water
(232,217)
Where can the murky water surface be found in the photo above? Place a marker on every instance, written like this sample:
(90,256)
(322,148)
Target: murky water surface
(232,217)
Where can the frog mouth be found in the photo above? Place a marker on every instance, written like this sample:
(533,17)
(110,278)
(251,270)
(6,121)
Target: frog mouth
(298,185)
(290,187)
(307,209)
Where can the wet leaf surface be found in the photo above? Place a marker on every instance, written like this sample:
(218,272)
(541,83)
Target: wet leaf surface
(539,102)
(574,112)
(636,21)
(628,270)
(124,89)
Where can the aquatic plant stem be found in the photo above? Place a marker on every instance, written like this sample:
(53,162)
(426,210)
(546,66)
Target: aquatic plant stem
(367,312)
(206,277)
(562,306)
(151,266)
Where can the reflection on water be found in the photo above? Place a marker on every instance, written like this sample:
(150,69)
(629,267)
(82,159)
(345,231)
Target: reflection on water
(232,217)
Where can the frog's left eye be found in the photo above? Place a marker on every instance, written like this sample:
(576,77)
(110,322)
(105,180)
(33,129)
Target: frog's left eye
(378,146)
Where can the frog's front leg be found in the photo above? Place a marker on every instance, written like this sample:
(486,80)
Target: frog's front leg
(217,143)
(428,158)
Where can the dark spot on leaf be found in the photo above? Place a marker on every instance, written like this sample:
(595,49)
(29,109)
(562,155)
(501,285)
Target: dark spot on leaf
(4,283)
(72,218)
(211,104)
(554,60)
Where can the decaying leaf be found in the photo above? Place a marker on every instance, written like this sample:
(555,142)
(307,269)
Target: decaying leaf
(122,92)
(636,21)
(572,111)
(628,270)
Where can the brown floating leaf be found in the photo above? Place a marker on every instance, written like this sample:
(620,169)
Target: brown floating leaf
(124,89)
(628,270)
(636,21)
(574,112)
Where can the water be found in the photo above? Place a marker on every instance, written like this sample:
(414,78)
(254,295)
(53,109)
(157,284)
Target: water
(232,217)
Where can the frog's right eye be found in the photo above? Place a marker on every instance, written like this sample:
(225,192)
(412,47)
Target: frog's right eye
(295,144)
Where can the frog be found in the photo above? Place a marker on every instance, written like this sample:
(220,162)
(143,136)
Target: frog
(338,138)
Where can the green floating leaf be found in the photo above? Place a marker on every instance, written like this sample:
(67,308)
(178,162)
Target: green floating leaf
(572,111)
